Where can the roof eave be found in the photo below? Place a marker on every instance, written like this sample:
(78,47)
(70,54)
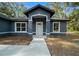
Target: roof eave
(55,19)
(40,6)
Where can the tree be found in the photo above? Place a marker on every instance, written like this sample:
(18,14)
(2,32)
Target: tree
(59,8)
(12,9)
(4,9)
(73,25)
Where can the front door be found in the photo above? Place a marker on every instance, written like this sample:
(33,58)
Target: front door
(39,28)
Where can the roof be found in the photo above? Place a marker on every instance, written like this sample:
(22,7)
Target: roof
(59,17)
(41,7)
(2,15)
(24,18)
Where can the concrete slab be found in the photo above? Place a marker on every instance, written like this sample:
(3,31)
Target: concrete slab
(37,47)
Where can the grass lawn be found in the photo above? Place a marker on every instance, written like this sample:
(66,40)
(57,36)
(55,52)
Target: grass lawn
(67,45)
(15,40)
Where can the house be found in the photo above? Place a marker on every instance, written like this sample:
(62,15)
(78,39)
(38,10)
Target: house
(38,21)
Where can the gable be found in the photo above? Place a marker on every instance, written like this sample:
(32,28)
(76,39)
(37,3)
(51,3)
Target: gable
(39,11)
(51,12)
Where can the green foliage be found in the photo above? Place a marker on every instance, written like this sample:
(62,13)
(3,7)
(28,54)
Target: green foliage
(4,9)
(73,25)
(74,4)
(60,7)
(12,9)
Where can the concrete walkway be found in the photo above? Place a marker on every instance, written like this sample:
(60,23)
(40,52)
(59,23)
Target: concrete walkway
(37,47)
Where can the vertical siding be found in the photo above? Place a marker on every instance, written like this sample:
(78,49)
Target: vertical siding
(4,25)
(34,26)
(44,26)
(51,26)
(62,26)
(12,26)
(39,11)
(48,26)
(30,27)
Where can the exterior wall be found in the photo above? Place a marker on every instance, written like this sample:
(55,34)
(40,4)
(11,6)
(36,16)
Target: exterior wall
(12,26)
(9,26)
(34,25)
(4,25)
(13,33)
(51,26)
(63,27)
(39,11)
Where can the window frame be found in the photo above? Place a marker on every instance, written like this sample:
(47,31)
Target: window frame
(20,27)
(58,27)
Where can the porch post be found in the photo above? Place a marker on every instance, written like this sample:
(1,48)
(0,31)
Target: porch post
(29,26)
(47,26)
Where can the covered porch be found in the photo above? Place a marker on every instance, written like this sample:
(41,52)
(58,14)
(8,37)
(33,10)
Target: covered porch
(39,25)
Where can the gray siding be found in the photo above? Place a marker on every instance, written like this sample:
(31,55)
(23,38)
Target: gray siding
(9,26)
(51,26)
(39,11)
(4,25)
(12,26)
(63,27)
(34,25)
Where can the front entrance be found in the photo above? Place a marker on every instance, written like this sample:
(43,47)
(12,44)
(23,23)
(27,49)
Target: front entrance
(39,28)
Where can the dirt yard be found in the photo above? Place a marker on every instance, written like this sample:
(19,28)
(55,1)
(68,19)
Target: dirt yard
(67,45)
(15,40)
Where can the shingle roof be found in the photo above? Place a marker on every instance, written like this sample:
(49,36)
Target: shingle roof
(58,16)
(42,7)
(3,15)
(24,18)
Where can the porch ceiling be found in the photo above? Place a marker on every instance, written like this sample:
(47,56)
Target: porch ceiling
(39,16)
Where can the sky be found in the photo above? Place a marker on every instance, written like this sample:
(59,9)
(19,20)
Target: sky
(31,4)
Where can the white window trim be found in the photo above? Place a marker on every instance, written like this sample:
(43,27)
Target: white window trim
(20,31)
(58,29)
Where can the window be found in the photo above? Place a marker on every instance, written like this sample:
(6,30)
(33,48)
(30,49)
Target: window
(56,26)
(20,26)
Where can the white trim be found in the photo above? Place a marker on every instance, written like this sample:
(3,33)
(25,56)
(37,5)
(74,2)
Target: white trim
(30,33)
(11,32)
(3,32)
(20,31)
(58,28)
(40,32)
(58,32)
(47,20)
(40,15)
(47,33)
(43,32)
